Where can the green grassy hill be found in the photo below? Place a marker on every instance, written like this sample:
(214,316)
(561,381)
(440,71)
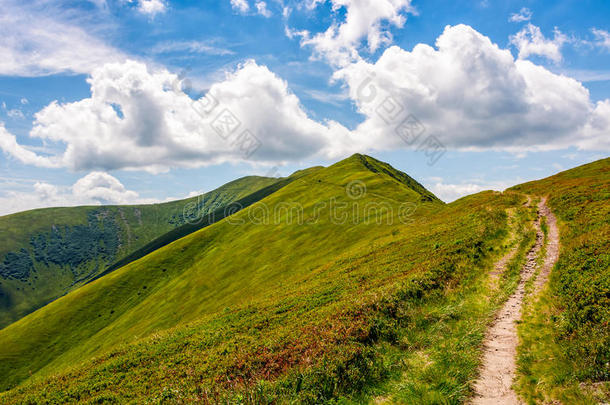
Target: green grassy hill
(45,253)
(349,284)
(565,351)
(305,295)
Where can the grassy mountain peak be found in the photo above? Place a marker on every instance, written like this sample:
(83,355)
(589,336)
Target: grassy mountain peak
(382,168)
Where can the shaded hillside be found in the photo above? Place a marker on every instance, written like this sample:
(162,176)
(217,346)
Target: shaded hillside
(304,295)
(46,252)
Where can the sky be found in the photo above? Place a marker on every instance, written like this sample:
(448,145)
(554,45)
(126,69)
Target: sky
(144,101)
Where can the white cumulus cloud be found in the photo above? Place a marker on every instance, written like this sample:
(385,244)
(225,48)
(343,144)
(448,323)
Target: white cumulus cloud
(140,119)
(471,94)
(364,19)
(104,188)
(93,189)
(530,41)
(9,144)
(466,93)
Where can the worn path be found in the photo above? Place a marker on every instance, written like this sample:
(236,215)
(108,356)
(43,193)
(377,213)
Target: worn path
(500,347)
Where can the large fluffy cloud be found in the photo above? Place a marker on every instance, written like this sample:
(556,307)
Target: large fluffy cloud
(467,93)
(138,119)
(471,94)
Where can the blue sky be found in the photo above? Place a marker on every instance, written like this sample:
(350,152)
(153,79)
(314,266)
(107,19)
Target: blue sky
(97,97)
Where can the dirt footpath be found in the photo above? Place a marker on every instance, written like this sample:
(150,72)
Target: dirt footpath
(500,348)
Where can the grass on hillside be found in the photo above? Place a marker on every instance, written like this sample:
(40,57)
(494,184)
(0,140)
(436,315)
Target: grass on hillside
(116,232)
(279,312)
(194,276)
(439,355)
(564,353)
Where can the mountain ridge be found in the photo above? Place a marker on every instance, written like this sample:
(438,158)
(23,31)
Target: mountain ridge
(341,174)
(287,301)
(120,233)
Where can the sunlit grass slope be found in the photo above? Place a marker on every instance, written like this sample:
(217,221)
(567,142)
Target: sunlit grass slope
(565,339)
(210,269)
(45,253)
(279,304)
(203,220)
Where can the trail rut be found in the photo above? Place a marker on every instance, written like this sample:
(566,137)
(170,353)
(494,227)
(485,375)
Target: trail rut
(500,347)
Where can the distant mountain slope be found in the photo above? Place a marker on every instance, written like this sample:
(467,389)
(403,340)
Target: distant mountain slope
(204,220)
(46,252)
(565,349)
